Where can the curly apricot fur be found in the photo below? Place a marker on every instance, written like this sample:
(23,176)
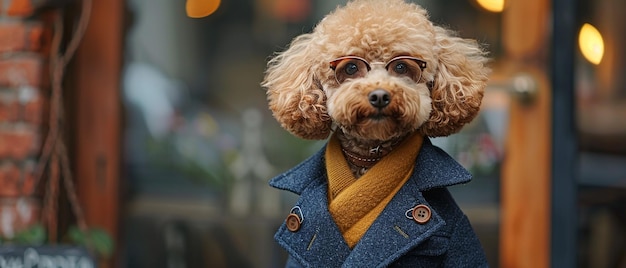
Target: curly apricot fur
(307,100)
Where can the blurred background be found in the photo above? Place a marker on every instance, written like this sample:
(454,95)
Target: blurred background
(161,124)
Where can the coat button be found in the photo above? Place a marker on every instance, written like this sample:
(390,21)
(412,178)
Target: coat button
(421,214)
(293,222)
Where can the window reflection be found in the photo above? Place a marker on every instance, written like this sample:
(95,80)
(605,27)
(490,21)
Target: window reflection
(601,113)
(601,88)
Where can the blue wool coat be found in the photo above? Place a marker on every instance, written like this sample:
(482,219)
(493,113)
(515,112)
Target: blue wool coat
(393,240)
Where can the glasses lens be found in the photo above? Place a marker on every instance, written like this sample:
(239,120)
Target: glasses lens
(350,68)
(405,67)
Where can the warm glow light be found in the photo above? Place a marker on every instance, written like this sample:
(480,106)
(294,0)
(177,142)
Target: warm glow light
(492,5)
(201,8)
(591,43)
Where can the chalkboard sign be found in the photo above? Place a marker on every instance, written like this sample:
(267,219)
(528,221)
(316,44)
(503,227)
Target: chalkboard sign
(45,257)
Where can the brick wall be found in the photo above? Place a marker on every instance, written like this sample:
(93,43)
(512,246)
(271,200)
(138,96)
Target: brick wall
(22,104)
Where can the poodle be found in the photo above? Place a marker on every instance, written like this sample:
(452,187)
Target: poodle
(378,78)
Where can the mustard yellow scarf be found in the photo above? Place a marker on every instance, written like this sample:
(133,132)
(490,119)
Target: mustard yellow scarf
(355,203)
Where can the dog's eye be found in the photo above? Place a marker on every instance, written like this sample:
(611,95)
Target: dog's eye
(405,68)
(351,68)
(400,68)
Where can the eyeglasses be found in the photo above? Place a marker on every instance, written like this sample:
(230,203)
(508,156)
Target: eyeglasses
(351,67)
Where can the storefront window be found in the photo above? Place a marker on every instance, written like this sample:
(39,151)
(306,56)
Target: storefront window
(200,143)
(601,112)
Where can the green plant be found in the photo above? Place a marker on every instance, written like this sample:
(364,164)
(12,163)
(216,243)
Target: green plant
(95,239)
(34,235)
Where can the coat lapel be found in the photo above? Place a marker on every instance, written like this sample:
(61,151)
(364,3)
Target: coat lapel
(434,168)
(393,234)
(318,242)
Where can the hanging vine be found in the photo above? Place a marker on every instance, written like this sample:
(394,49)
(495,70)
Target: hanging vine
(54,160)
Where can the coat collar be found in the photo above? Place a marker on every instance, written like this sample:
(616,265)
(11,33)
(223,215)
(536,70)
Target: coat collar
(319,242)
(434,168)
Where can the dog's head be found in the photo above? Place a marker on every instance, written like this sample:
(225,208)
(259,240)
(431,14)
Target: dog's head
(376,69)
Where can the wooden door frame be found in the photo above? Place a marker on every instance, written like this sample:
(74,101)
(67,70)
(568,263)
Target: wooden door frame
(96,114)
(540,229)
(526,170)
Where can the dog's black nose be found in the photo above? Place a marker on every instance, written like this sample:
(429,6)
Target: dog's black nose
(379,98)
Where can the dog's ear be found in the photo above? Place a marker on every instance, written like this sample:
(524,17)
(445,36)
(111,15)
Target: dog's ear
(458,86)
(294,92)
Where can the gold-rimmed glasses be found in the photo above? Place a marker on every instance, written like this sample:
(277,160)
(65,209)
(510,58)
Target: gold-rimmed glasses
(351,67)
